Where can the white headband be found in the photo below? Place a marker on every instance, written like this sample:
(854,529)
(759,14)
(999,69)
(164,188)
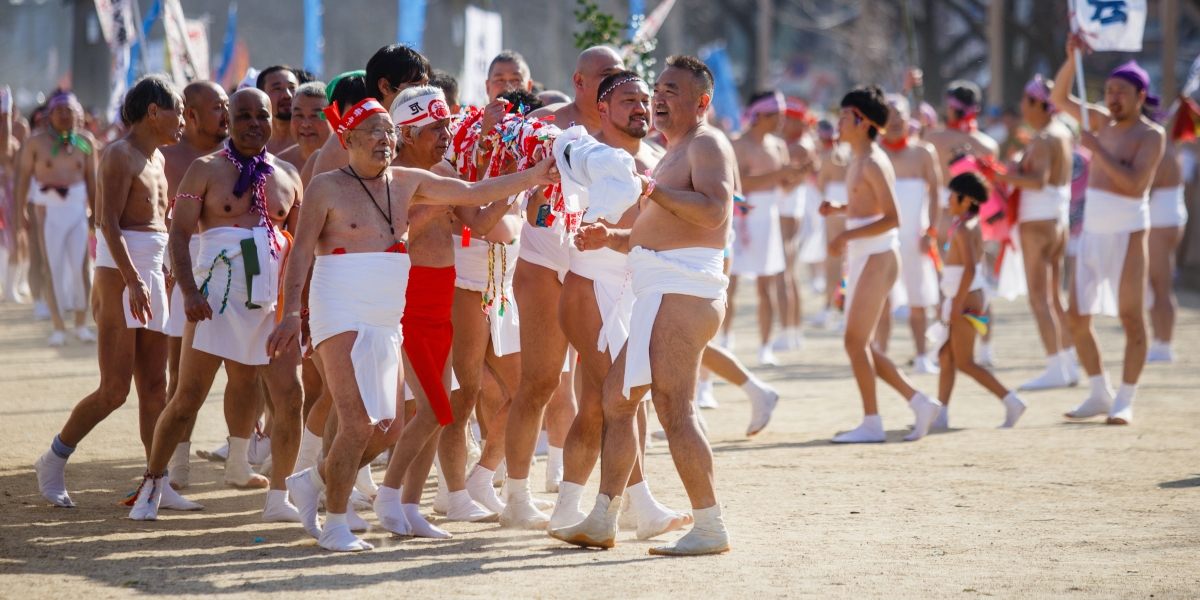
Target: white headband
(420,111)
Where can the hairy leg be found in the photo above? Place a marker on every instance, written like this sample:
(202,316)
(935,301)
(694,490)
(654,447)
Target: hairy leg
(581,322)
(1038,241)
(469,346)
(1131,306)
(287,401)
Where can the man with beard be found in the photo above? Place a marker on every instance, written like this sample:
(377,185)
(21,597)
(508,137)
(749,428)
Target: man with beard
(129,296)
(308,129)
(280,83)
(61,162)
(205,127)
(1110,266)
(353,223)
(240,199)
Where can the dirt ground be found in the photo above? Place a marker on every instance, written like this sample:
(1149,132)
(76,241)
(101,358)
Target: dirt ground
(1049,509)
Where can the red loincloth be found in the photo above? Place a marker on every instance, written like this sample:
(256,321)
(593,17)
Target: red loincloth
(428,332)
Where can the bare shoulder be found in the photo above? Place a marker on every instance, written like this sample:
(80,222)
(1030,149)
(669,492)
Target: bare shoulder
(550,110)
(321,188)
(116,152)
(708,139)
(286,168)
(1154,132)
(444,169)
(986,142)
(926,149)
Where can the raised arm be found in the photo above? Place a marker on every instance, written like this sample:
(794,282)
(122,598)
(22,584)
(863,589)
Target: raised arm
(1061,95)
(451,191)
(312,218)
(1133,179)
(713,180)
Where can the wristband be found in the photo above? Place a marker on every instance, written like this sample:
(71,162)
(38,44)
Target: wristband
(650,188)
(931,232)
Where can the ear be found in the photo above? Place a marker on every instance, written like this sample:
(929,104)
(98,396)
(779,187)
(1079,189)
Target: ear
(578,79)
(705,100)
(529,85)
(383,86)
(406,134)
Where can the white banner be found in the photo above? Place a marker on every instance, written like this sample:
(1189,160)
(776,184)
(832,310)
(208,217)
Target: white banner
(482,42)
(180,66)
(116,21)
(197,44)
(1111,25)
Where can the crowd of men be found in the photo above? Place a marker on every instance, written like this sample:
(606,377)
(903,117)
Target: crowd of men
(382,273)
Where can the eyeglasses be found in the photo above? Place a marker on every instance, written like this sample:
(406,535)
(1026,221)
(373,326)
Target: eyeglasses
(380,133)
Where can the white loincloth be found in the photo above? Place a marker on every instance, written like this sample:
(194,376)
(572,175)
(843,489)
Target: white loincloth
(597,178)
(918,273)
(951,278)
(471,273)
(759,246)
(239,333)
(858,251)
(794,203)
(364,293)
(1047,204)
(1108,219)
(146,251)
(1167,208)
(547,246)
(178,318)
(695,272)
(66,242)
(815,247)
(609,272)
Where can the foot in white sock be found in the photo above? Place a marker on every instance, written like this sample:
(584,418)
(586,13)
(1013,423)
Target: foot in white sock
(522,512)
(441,498)
(479,486)
(171,500)
(1071,364)
(1014,407)
(390,511)
(180,466)
(869,432)
(1160,352)
(1122,410)
(500,473)
(597,530)
(566,509)
(278,509)
(258,452)
(763,399)
(360,501)
(925,410)
(1098,402)
(337,536)
(420,527)
(364,483)
(354,522)
(85,335)
(708,536)
(58,338)
(1055,376)
(147,498)
(237,466)
(766,357)
(310,451)
(653,519)
(304,488)
(554,469)
(52,481)
(462,508)
(924,364)
(704,394)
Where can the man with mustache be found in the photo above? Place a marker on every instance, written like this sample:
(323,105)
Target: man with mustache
(308,128)
(280,83)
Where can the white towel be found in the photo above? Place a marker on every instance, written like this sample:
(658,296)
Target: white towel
(363,293)
(597,178)
(758,249)
(609,272)
(471,273)
(238,333)
(1167,208)
(146,251)
(66,236)
(690,271)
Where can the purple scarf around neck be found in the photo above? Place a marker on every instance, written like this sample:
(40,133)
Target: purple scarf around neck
(253,172)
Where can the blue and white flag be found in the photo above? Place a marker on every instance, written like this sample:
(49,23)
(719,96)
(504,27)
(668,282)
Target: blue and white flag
(1111,25)
(725,95)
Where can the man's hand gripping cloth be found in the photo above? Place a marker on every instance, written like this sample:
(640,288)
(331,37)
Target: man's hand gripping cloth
(365,293)
(427,332)
(243,305)
(177,317)
(1167,208)
(1108,219)
(758,249)
(918,272)
(146,250)
(66,235)
(695,272)
(861,249)
(609,272)
(488,268)
(596,177)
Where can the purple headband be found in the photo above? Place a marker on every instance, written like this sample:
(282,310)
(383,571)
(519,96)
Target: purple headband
(954,103)
(1038,90)
(60,98)
(766,105)
(1137,77)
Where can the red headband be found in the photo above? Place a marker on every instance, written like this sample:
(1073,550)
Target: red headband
(358,114)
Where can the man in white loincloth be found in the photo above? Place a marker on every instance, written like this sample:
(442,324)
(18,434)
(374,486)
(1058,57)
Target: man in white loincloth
(819,228)
(239,199)
(794,205)
(764,167)
(1110,268)
(62,164)
(353,224)
(871,243)
(918,180)
(537,284)
(1168,216)
(676,257)
(129,297)
(1044,180)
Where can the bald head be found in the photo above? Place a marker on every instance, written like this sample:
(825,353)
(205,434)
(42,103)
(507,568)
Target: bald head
(597,58)
(205,114)
(250,109)
(248,96)
(593,66)
(201,92)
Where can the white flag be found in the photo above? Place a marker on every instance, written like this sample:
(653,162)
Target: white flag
(482,43)
(1111,25)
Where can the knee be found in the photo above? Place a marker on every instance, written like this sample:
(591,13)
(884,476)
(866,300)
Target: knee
(112,394)
(855,343)
(1133,321)
(540,388)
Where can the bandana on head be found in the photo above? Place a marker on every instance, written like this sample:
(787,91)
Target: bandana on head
(361,111)
(1038,90)
(420,111)
(1133,73)
(68,138)
(329,87)
(767,105)
(616,85)
(968,122)
(795,108)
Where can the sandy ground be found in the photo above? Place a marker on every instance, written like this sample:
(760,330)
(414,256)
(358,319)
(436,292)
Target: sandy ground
(1049,509)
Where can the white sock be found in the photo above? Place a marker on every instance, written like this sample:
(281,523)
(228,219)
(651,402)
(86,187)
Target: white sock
(1126,393)
(389,508)
(566,509)
(310,450)
(419,526)
(554,466)
(1099,383)
(875,422)
(335,519)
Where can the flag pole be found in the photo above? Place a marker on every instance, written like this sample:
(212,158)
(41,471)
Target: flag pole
(1083,109)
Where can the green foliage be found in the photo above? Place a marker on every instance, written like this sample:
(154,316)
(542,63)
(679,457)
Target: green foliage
(602,28)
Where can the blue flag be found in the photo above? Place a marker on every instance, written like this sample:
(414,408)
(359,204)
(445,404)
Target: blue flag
(314,37)
(228,43)
(410,31)
(725,95)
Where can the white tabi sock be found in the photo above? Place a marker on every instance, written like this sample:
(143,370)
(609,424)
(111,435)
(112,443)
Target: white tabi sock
(310,450)
(521,512)
(869,432)
(566,509)
(237,466)
(337,537)
(390,510)
(763,399)
(420,527)
(1098,402)
(1014,407)
(554,468)
(1122,410)
(708,535)
(653,518)
(479,486)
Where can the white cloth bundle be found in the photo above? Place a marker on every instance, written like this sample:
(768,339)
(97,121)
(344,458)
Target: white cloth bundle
(597,178)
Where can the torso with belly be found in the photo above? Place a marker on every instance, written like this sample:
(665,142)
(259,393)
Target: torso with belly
(656,228)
